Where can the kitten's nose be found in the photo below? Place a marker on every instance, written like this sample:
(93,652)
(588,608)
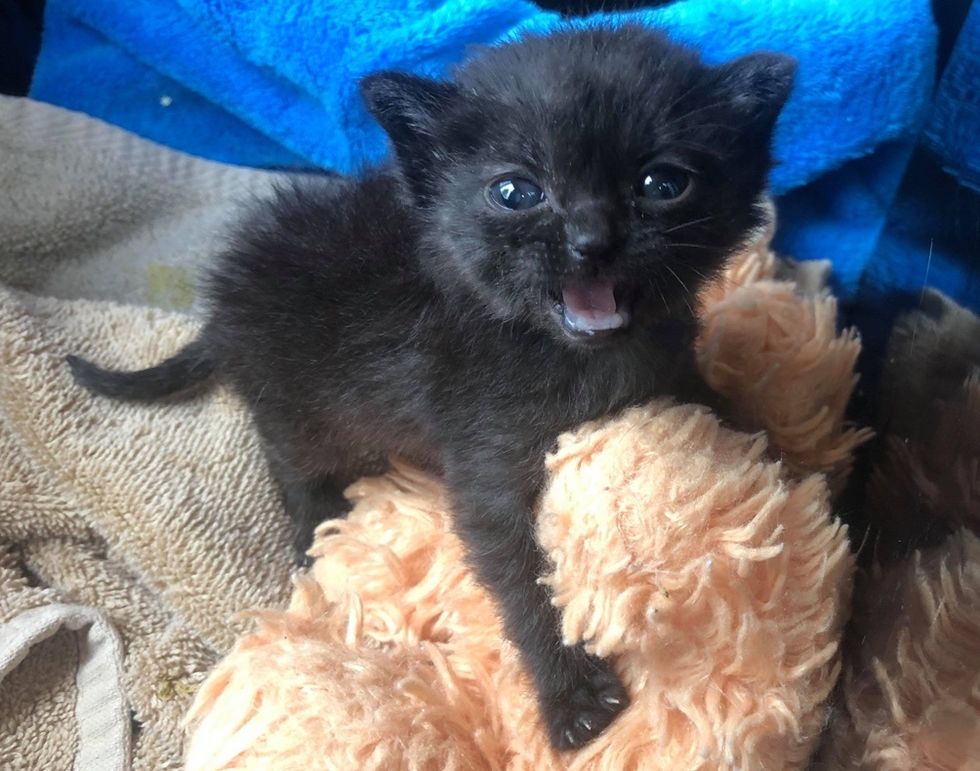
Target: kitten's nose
(589,233)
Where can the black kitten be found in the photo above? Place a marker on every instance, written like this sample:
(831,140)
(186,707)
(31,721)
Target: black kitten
(529,263)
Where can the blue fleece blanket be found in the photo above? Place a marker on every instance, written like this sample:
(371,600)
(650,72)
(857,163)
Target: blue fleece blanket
(273,82)
(931,232)
(920,227)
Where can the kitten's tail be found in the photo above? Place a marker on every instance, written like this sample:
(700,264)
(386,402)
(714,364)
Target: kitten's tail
(188,367)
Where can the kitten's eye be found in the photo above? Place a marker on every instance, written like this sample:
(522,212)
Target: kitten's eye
(664,183)
(516,193)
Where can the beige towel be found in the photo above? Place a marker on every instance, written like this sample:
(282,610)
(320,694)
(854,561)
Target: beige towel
(149,525)
(101,710)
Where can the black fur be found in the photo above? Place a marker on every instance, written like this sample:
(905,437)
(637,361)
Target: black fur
(403,313)
(188,367)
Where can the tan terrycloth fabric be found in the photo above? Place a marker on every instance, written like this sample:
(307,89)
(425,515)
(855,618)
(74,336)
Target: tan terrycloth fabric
(90,211)
(101,711)
(160,520)
(37,699)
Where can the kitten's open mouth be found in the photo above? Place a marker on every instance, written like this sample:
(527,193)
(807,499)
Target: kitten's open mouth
(591,309)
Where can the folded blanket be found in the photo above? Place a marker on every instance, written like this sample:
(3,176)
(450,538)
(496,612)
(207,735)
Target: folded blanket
(101,710)
(146,527)
(905,216)
(273,82)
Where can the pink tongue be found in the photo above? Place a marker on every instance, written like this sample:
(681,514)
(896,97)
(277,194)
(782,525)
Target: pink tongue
(591,306)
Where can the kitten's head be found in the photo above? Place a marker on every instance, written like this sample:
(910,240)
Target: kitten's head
(588,181)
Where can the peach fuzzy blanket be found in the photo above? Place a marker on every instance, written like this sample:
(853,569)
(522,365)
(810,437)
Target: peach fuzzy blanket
(716,577)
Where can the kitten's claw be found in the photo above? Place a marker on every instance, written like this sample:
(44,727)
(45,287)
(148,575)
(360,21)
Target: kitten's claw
(590,700)
(612,700)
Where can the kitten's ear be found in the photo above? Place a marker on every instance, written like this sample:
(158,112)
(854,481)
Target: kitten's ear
(408,107)
(758,86)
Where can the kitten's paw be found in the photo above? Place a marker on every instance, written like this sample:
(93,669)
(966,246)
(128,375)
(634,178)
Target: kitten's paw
(302,541)
(301,560)
(590,701)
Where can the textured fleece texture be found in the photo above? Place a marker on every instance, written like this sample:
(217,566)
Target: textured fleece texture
(906,216)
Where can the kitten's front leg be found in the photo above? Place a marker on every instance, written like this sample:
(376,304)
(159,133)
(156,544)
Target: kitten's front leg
(311,493)
(309,502)
(579,694)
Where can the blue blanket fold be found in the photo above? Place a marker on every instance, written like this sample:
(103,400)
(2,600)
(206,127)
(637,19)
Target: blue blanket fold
(286,70)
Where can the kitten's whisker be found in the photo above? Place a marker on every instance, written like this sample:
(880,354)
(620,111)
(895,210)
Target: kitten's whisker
(689,223)
(675,120)
(679,244)
(674,139)
(679,280)
(656,285)
(673,105)
(683,286)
